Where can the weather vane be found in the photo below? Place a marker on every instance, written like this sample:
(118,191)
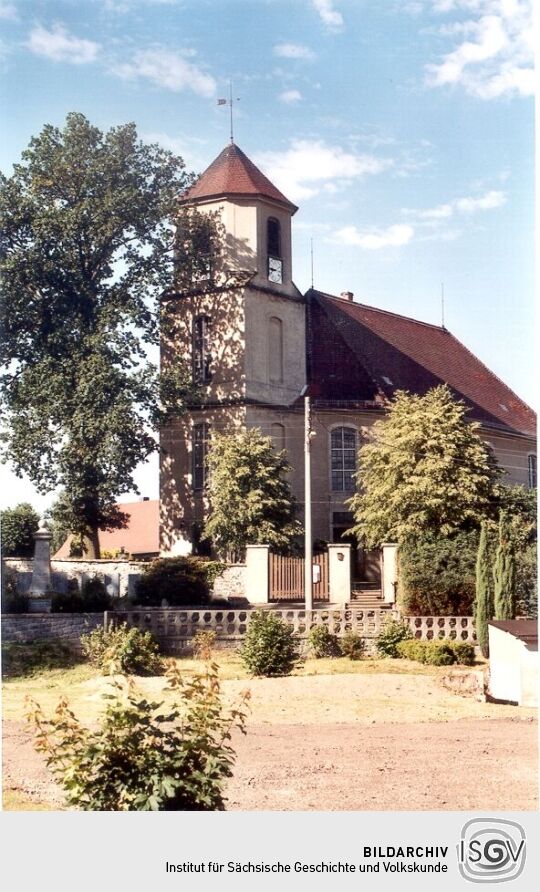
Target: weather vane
(230,102)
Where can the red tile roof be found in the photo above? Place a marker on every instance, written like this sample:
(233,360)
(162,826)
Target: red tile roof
(141,536)
(381,352)
(232,173)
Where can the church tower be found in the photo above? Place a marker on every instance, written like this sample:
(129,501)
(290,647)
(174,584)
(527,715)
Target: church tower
(243,341)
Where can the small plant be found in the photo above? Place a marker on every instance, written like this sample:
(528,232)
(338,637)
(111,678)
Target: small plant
(203,644)
(323,643)
(352,646)
(392,632)
(123,650)
(145,755)
(463,651)
(271,647)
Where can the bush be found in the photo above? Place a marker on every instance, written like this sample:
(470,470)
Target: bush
(437,653)
(18,527)
(34,657)
(12,601)
(145,756)
(527,583)
(271,647)
(181,581)
(92,598)
(392,632)
(123,650)
(323,643)
(203,644)
(437,575)
(352,646)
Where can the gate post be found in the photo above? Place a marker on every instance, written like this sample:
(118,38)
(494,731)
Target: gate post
(389,572)
(258,574)
(339,573)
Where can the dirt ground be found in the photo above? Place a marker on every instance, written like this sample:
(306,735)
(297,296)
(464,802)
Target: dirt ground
(348,742)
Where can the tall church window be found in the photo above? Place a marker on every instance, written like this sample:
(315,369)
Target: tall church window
(275,350)
(278,436)
(343,448)
(531,466)
(200,443)
(201,350)
(273,250)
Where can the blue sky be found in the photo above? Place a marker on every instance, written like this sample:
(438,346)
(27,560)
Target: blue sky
(402,128)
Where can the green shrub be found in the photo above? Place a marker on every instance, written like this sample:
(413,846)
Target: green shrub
(437,575)
(34,657)
(181,581)
(527,582)
(352,646)
(437,653)
(323,643)
(203,644)
(123,650)
(12,601)
(145,755)
(270,646)
(92,598)
(392,632)
(463,652)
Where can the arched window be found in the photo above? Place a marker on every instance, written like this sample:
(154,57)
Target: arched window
(278,436)
(200,443)
(201,349)
(343,446)
(273,250)
(275,350)
(531,467)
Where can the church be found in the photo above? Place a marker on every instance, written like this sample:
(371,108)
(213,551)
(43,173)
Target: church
(258,345)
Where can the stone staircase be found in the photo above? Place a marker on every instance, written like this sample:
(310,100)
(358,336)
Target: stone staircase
(368,598)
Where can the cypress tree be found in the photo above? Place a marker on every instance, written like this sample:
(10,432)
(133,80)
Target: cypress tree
(504,573)
(483,605)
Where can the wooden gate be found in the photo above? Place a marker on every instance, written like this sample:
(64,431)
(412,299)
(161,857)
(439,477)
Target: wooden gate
(287,578)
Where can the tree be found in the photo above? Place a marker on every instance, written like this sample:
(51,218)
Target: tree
(425,470)
(483,605)
(18,527)
(504,573)
(250,498)
(85,253)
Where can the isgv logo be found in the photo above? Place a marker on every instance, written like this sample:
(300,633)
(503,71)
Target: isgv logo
(491,850)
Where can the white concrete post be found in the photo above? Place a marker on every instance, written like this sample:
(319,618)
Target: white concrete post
(339,573)
(389,572)
(258,574)
(39,596)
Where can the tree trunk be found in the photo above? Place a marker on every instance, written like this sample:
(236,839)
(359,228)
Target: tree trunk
(90,544)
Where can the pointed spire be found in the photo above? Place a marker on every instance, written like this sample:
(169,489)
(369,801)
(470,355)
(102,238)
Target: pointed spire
(232,173)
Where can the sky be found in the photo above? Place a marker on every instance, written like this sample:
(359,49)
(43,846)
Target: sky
(403,129)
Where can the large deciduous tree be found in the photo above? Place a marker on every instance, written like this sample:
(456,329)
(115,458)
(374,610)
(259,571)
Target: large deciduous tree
(424,471)
(18,527)
(249,495)
(85,252)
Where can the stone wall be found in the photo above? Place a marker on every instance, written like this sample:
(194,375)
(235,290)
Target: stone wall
(66,627)
(120,577)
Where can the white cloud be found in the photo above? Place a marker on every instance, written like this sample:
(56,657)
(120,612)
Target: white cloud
(169,70)
(61,46)
(293,51)
(494,56)
(311,165)
(393,236)
(329,16)
(290,96)
(8,11)
(466,205)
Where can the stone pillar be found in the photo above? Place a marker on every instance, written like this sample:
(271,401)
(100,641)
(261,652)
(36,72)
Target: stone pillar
(339,573)
(39,596)
(389,572)
(258,574)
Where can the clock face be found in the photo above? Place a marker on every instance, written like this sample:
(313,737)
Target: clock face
(275,270)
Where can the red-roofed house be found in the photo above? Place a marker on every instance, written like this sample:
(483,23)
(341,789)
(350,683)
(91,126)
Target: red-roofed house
(254,349)
(139,539)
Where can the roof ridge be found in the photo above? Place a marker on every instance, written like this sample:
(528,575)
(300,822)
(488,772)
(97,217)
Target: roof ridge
(385,312)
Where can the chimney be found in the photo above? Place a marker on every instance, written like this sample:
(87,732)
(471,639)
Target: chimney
(347,295)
